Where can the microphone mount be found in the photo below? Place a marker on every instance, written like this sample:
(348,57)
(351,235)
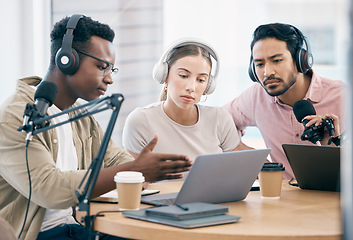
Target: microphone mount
(31,112)
(88,182)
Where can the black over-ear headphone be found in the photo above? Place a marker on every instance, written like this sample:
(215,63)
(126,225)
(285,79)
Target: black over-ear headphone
(304,58)
(67,58)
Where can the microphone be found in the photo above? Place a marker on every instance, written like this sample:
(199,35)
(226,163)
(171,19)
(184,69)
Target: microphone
(44,97)
(314,134)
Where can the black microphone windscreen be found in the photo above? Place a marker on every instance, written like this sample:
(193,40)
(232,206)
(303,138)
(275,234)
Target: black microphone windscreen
(46,90)
(303,108)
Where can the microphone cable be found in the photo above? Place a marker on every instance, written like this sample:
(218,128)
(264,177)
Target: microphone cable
(44,97)
(30,189)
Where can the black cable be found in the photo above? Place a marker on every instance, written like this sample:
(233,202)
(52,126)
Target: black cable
(30,189)
(290,182)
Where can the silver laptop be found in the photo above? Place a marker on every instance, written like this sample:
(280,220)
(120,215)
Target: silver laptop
(216,178)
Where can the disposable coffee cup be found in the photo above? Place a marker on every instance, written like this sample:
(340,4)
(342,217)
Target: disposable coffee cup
(270,179)
(129,186)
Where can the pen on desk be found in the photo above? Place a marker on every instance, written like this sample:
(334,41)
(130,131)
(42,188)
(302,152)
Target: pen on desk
(181,206)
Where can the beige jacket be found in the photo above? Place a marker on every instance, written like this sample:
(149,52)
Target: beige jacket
(51,188)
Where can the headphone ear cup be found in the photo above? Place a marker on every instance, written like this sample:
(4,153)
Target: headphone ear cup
(211,86)
(304,60)
(300,60)
(160,72)
(67,61)
(251,71)
(309,60)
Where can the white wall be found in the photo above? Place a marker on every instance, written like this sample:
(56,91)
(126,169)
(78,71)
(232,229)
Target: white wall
(24,44)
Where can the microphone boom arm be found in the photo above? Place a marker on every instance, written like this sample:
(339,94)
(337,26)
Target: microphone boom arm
(84,192)
(109,101)
(88,182)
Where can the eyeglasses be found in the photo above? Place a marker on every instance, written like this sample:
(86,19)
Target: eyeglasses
(110,69)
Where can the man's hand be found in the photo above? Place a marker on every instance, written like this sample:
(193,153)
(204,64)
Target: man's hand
(317,120)
(160,166)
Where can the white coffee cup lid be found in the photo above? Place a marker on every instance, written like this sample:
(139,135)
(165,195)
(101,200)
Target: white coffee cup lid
(129,177)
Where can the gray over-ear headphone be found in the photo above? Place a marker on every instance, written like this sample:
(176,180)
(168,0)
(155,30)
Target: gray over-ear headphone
(160,70)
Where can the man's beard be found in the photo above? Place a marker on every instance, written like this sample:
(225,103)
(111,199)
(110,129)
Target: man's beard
(291,82)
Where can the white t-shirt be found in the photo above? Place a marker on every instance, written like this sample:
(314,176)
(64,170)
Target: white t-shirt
(214,131)
(66,161)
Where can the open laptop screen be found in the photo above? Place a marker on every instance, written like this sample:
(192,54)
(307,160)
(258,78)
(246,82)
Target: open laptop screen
(315,167)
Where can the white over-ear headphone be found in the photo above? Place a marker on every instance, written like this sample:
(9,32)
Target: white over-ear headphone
(160,70)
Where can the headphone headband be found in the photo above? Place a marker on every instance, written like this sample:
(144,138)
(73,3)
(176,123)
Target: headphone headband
(160,70)
(187,41)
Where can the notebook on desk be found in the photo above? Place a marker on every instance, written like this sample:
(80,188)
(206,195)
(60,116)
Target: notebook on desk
(315,167)
(196,215)
(216,178)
